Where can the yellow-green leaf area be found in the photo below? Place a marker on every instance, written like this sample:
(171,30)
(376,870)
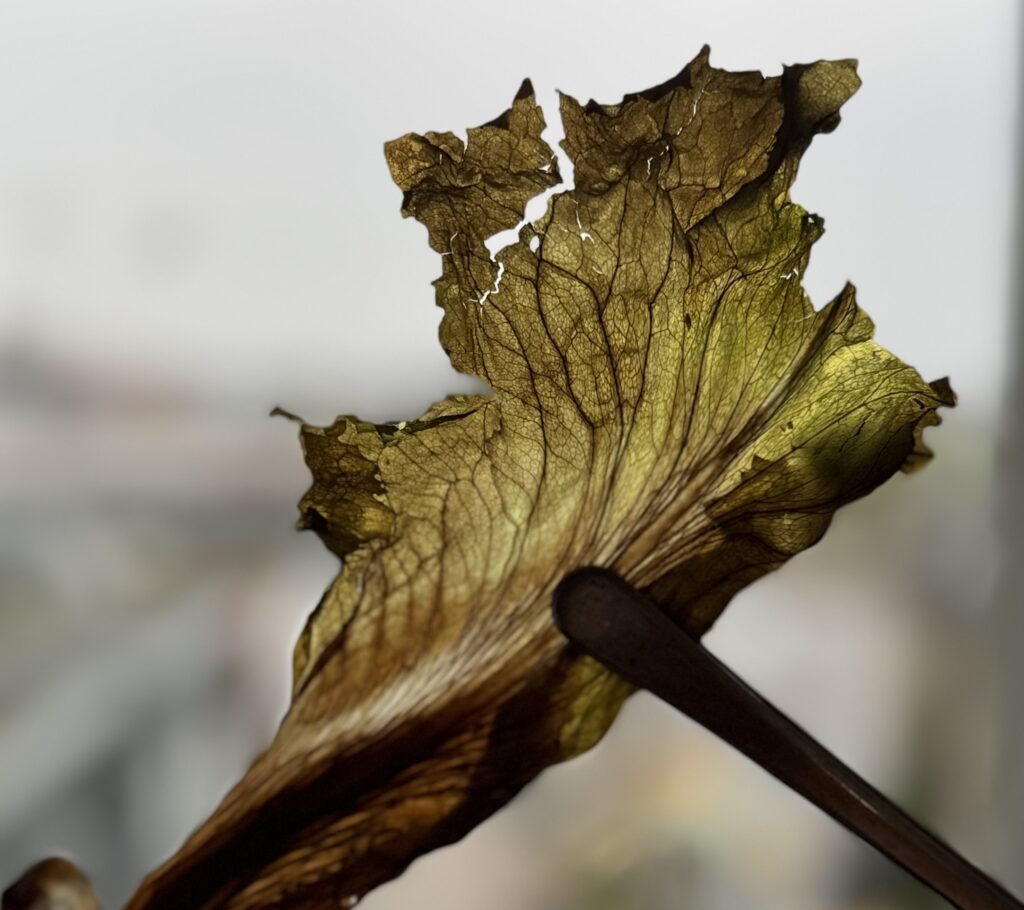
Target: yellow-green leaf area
(665,401)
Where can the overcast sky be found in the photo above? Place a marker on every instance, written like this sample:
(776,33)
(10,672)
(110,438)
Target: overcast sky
(197,189)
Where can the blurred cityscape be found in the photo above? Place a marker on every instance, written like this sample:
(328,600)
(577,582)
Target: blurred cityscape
(152,585)
(196,224)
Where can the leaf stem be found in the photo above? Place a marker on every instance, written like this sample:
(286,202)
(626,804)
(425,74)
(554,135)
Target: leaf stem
(613,622)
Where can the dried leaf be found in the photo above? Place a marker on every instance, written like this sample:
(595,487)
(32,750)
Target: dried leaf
(53,884)
(666,402)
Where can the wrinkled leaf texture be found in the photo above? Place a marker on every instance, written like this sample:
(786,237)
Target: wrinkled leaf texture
(665,402)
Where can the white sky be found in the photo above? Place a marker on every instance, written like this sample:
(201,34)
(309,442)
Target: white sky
(197,189)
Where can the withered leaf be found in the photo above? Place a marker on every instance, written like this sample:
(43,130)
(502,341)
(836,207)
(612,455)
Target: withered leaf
(666,402)
(53,884)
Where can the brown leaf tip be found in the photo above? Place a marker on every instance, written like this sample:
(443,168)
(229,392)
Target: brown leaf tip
(525,93)
(52,884)
(920,453)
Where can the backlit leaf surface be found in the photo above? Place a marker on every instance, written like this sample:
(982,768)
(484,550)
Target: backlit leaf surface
(665,402)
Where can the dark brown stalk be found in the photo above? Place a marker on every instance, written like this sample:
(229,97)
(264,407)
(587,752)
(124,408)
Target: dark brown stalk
(628,633)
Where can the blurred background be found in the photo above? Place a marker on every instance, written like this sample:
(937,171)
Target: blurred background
(197,224)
